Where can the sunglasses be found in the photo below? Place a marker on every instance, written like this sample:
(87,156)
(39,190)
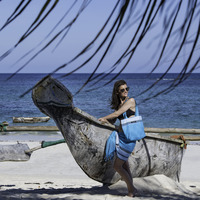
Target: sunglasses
(123,90)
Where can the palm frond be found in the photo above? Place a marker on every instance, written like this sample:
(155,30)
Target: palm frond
(132,16)
(19,9)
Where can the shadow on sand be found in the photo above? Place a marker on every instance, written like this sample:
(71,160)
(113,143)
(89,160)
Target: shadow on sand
(96,192)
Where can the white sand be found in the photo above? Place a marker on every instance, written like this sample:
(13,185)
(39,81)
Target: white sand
(52,173)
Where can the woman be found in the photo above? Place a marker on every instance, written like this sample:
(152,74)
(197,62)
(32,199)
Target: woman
(122,103)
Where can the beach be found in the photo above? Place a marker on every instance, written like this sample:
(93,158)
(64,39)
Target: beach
(52,173)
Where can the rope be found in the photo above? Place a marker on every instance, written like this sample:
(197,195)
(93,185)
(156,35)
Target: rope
(181,137)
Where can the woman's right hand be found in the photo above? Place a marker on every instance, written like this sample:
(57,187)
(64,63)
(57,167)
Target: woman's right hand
(103,120)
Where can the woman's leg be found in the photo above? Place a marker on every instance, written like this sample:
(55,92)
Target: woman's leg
(118,166)
(127,168)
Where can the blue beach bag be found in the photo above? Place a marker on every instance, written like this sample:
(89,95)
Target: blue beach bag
(133,127)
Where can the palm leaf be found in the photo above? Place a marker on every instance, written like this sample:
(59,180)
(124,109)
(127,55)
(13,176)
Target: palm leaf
(130,13)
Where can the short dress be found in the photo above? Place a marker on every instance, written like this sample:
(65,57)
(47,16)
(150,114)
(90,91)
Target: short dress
(118,143)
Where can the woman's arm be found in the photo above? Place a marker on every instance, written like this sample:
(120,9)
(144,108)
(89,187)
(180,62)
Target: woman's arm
(129,104)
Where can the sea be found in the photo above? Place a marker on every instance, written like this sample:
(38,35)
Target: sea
(179,108)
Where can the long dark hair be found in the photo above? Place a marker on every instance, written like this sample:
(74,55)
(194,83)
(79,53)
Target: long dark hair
(115,100)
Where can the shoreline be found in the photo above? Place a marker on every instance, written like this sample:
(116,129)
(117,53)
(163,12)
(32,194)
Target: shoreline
(52,173)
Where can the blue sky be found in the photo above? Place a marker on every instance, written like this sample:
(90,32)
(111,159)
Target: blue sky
(83,31)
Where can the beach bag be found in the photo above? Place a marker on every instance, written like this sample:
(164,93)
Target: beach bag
(133,127)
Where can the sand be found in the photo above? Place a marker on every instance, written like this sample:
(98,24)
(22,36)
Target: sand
(52,173)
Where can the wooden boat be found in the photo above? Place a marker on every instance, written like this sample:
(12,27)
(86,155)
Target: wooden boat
(86,138)
(30,119)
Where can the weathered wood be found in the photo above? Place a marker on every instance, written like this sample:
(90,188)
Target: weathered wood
(187,138)
(147,129)
(86,138)
(192,138)
(172,130)
(55,128)
(21,152)
(32,128)
(15,152)
(30,119)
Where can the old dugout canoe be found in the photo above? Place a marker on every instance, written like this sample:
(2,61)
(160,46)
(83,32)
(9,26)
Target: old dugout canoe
(86,138)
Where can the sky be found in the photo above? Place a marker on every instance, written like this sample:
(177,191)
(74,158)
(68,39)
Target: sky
(82,32)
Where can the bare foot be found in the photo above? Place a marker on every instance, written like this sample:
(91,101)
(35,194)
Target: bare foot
(131,194)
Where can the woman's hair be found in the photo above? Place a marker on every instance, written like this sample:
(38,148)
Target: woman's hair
(115,100)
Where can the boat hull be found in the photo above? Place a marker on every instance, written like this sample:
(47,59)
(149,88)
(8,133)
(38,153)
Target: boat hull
(86,138)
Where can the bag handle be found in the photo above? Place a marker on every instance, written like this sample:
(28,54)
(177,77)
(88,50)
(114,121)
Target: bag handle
(136,111)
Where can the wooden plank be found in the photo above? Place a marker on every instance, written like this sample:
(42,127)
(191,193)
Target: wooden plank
(172,130)
(192,138)
(30,119)
(147,129)
(165,138)
(32,128)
